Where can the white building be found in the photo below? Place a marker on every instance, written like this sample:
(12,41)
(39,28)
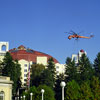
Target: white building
(76,57)
(5,88)
(4,47)
(60,68)
(26,57)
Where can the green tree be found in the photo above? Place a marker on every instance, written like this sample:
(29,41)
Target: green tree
(72,91)
(18,75)
(11,69)
(48,75)
(48,94)
(46,78)
(85,91)
(37,95)
(51,67)
(71,70)
(36,70)
(33,90)
(1,67)
(85,68)
(97,65)
(57,87)
(95,88)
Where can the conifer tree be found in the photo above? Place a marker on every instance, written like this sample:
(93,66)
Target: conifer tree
(51,67)
(97,65)
(95,88)
(72,91)
(11,69)
(71,70)
(85,68)
(57,87)
(36,70)
(48,75)
(46,78)
(85,91)
(1,67)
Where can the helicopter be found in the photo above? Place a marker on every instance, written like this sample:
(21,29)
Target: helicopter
(77,36)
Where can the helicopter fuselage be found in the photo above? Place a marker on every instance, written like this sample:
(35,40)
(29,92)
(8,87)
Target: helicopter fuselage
(77,36)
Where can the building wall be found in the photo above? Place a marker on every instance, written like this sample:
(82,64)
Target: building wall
(6,87)
(1,57)
(60,68)
(24,70)
(42,60)
(77,57)
(6,45)
(3,52)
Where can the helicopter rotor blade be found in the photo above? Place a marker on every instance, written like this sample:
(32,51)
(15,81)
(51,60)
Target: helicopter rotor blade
(81,32)
(72,32)
(68,32)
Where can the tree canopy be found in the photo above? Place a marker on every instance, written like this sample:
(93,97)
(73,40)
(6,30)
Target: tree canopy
(36,70)
(97,65)
(57,87)
(85,68)
(48,75)
(37,95)
(11,69)
(71,70)
(72,91)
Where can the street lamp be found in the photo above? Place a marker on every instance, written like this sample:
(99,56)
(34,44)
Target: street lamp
(31,96)
(21,97)
(42,91)
(17,98)
(24,97)
(63,84)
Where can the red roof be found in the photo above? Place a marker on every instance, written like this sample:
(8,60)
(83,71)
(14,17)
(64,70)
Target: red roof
(28,54)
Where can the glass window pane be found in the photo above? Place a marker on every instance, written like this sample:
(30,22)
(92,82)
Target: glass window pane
(1,95)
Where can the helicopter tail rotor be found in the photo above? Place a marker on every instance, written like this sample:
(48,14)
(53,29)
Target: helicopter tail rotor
(91,36)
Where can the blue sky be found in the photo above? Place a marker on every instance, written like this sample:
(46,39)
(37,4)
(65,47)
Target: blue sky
(40,25)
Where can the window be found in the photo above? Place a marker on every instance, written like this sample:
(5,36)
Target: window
(1,95)
(25,75)
(57,71)
(25,80)
(25,70)
(1,54)
(57,67)
(33,62)
(25,65)
(3,47)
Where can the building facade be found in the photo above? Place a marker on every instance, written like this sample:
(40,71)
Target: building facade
(4,47)
(26,57)
(76,57)
(5,88)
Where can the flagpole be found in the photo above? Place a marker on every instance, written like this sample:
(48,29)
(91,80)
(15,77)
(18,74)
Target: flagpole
(28,78)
